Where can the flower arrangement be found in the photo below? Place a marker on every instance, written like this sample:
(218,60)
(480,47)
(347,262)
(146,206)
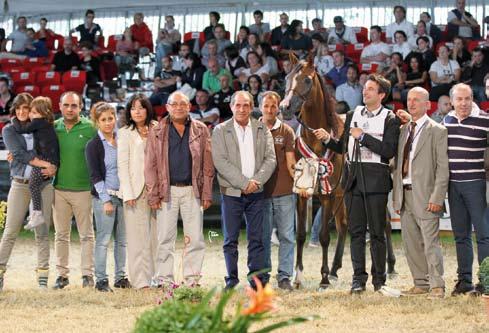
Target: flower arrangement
(179,316)
(3,214)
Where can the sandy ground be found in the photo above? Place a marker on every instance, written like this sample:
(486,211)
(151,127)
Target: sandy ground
(25,309)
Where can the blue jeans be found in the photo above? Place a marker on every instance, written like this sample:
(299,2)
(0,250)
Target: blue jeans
(316,226)
(280,212)
(467,202)
(232,210)
(105,225)
(162,50)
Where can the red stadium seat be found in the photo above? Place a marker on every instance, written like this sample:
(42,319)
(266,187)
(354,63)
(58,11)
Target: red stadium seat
(336,47)
(160,111)
(74,80)
(471,45)
(33,90)
(396,105)
(354,51)
(444,32)
(434,106)
(24,79)
(448,44)
(112,42)
(370,68)
(48,78)
(108,70)
(54,92)
(101,42)
(194,35)
(7,64)
(361,33)
(33,62)
(484,105)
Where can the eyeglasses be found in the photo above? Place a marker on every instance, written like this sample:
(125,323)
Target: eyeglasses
(178,105)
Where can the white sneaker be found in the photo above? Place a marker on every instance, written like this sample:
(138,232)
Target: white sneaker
(389,292)
(35,220)
(313,244)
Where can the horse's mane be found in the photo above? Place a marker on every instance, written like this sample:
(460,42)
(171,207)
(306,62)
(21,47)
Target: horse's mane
(331,115)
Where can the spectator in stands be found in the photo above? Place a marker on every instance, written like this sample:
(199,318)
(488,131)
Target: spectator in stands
(350,91)
(295,40)
(420,31)
(318,29)
(278,33)
(400,23)
(173,34)
(165,82)
(141,35)
(444,73)
(395,75)
(89,31)
(66,60)
(268,57)
(211,81)
(214,18)
(253,42)
(377,52)
(260,28)
(255,88)
(126,52)
(164,47)
(193,74)
(204,110)
(341,34)
(179,60)
(234,63)
(338,74)
(459,52)
(48,36)
(220,40)
(18,37)
(323,62)
(242,38)
(476,71)
(443,108)
(255,66)
(35,47)
(6,99)
(213,53)
(362,79)
(316,40)
(222,98)
(431,29)
(427,55)
(2,37)
(278,83)
(461,23)
(416,76)
(90,64)
(401,45)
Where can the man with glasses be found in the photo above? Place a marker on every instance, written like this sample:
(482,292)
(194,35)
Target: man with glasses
(179,181)
(72,190)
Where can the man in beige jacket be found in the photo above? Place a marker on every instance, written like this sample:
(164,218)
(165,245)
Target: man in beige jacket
(420,185)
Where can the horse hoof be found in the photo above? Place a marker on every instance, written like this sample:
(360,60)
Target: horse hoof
(333,278)
(323,287)
(297,285)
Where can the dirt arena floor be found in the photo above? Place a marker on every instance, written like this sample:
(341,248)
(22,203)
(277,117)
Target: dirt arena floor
(23,308)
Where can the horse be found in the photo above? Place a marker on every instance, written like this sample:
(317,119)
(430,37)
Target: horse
(306,97)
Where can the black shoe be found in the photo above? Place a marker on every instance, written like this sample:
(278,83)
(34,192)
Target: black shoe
(285,284)
(377,287)
(230,287)
(103,285)
(1,283)
(478,290)
(357,288)
(61,282)
(462,287)
(122,283)
(87,281)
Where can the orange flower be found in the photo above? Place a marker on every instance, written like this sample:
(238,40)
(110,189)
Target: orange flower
(261,300)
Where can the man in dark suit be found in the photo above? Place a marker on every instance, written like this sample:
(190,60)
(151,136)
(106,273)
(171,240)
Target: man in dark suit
(370,139)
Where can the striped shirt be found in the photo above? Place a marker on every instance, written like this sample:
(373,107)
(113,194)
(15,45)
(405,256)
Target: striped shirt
(467,141)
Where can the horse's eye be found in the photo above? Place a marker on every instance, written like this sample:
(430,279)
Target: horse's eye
(307,80)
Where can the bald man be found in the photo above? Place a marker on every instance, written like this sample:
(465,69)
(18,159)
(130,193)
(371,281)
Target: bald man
(420,185)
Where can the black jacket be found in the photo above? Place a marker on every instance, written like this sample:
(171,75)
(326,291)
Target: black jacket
(95,155)
(377,176)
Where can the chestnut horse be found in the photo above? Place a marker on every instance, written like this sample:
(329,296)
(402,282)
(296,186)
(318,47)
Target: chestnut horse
(307,98)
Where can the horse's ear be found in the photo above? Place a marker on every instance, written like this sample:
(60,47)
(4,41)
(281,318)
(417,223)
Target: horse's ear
(293,59)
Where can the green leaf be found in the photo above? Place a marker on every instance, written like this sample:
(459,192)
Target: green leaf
(293,321)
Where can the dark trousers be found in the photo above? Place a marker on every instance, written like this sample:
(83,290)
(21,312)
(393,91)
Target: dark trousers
(357,225)
(232,210)
(467,202)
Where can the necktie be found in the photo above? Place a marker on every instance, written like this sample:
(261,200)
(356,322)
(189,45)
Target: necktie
(407,150)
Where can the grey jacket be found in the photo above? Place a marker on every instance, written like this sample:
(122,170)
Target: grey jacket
(227,160)
(16,145)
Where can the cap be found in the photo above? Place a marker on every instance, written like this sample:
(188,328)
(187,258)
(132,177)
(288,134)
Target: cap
(337,19)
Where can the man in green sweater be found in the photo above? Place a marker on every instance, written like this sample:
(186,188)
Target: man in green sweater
(72,190)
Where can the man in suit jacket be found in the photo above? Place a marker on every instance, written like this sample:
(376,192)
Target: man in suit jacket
(244,156)
(420,185)
(374,131)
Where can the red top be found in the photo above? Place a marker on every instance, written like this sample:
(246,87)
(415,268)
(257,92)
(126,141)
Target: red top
(142,35)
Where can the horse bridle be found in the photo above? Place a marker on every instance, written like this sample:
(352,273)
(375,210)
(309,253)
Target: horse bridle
(303,98)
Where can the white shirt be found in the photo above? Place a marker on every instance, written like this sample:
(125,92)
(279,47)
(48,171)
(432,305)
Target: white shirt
(405,26)
(420,125)
(246,148)
(375,49)
(198,114)
(412,40)
(349,36)
(403,49)
(323,64)
(352,94)
(442,70)
(462,31)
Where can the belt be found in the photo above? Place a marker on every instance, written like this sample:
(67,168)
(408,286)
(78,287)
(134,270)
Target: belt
(21,180)
(114,193)
(408,187)
(180,184)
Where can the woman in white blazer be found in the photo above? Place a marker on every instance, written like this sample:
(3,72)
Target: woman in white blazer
(140,227)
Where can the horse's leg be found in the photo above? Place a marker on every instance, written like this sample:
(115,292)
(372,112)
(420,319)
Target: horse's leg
(324,239)
(301,238)
(341,230)
(391,257)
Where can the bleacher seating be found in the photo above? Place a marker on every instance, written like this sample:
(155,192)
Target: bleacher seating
(54,92)
(74,80)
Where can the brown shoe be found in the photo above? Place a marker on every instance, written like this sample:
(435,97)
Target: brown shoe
(437,293)
(415,291)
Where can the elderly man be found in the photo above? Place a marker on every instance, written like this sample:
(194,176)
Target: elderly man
(420,185)
(244,157)
(66,60)
(179,172)
(279,199)
(467,140)
(211,79)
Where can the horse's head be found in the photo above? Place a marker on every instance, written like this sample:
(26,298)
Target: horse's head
(299,83)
